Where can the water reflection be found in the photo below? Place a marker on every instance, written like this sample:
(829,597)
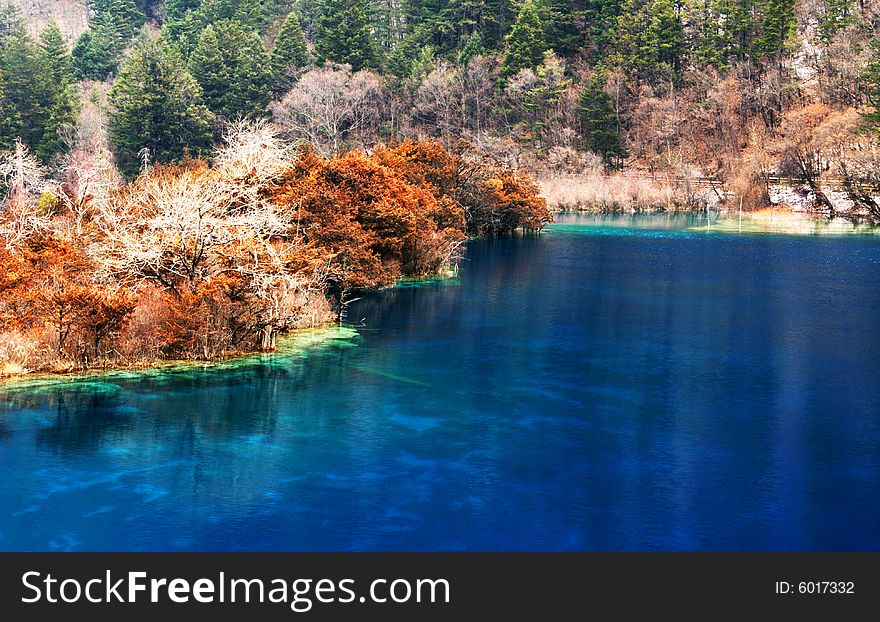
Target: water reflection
(84,416)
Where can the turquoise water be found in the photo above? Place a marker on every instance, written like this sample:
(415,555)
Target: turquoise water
(611,384)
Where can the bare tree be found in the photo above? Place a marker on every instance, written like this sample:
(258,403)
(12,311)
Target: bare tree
(87,175)
(328,105)
(21,173)
(254,153)
(515,103)
(20,213)
(800,155)
(181,227)
(481,75)
(855,156)
(439,102)
(212,233)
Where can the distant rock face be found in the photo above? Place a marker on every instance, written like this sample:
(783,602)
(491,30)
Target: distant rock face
(72,16)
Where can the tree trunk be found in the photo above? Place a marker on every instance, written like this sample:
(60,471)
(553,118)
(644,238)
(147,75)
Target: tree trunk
(267,339)
(340,307)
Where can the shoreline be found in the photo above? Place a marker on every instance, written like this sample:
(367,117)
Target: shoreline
(294,344)
(777,219)
(634,192)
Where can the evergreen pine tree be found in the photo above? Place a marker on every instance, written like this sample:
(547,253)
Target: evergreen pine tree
(343,34)
(11,22)
(424,63)
(472,47)
(544,96)
(209,68)
(57,56)
(126,16)
(66,100)
(599,25)
(722,30)
(176,9)
(184,32)
(446,25)
(636,44)
(743,27)
(35,107)
(212,11)
(253,77)
(835,15)
(96,53)
(232,67)
(496,20)
(650,39)
(425,19)
(779,24)
(526,43)
(600,123)
(669,33)
(156,105)
(400,61)
(8,117)
(386,18)
(61,115)
(707,39)
(290,52)
(87,65)
(560,24)
(454,23)
(252,13)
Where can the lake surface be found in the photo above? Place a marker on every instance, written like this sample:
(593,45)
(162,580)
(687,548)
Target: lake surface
(611,384)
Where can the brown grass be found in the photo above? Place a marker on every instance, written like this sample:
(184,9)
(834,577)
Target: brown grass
(621,193)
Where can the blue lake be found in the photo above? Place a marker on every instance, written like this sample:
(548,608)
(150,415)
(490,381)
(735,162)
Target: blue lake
(611,384)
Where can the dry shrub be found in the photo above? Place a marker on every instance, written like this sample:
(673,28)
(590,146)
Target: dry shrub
(749,186)
(569,161)
(19,351)
(315,311)
(141,341)
(196,324)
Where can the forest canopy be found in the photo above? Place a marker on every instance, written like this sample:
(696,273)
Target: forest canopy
(686,90)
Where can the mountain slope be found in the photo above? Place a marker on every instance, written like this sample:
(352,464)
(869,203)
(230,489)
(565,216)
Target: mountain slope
(72,15)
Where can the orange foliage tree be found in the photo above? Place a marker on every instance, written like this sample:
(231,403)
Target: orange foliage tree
(402,211)
(230,254)
(373,219)
(48,285)
(498,200)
